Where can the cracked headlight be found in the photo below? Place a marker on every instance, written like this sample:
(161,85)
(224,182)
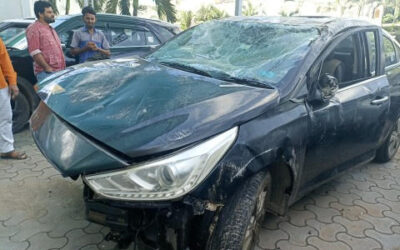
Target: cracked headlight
(166,178)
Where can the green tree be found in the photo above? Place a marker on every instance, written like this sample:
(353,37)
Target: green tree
(97,4)
(249,10)
(67,6)
(209,12)
(186,19)
(54,4)
(165,9)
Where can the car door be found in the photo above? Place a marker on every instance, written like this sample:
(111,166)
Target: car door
(126,40)
(345,130)
(392,69)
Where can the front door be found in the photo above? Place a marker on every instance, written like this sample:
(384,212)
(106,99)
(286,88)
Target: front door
(345,131)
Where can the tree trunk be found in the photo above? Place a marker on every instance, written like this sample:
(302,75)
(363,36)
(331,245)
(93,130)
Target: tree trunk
(135,7)
(67,6)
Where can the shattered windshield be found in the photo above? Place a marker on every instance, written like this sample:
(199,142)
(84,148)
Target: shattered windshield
(248,49)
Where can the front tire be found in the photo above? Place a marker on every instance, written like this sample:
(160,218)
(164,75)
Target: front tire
(240,219)
(23,105)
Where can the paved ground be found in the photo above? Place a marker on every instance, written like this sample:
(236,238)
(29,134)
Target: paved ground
(360,210)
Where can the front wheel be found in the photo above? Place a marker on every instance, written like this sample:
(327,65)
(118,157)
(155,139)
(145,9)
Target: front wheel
(389,148)
(240,219)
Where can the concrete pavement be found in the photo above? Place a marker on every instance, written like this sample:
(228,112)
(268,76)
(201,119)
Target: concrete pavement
(359,210)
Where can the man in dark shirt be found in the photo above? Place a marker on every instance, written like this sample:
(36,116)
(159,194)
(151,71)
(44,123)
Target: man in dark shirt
(88,41)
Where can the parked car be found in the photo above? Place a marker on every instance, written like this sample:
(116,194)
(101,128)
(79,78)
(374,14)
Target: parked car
(127,36)
(189,147)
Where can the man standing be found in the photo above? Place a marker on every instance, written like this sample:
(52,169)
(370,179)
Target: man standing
(43,42)
(8,88)
(88,41)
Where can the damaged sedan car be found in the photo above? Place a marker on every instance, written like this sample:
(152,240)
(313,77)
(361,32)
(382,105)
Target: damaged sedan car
(189,147)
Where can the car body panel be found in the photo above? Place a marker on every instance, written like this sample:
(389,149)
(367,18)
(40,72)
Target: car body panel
(153,109)
(135,112)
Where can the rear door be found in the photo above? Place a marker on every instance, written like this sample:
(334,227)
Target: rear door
(392,69)
(346,130)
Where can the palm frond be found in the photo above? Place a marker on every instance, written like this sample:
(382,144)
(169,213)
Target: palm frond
(124,7)
(54,4)
(98,5)
(186,18)
(111,6)
(166,9)
(80,3)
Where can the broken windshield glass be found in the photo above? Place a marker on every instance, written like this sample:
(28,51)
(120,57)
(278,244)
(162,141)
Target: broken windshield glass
(245,49)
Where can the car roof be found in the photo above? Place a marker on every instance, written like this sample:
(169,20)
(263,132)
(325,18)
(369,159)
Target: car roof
(333,24)
(21,21)
(116,17)
(108,16)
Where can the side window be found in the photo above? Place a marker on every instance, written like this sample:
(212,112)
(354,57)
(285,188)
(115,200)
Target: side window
(165,33)
(343,61)
(151,39)
(126,37)
(371,51)
(66,35)
(390,52)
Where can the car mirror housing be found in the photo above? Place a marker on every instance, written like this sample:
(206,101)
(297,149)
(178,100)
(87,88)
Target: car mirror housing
(325,88)
(328,86)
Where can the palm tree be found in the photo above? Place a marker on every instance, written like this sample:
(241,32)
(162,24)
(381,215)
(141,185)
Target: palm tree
(186,19)
(97,4)
(210,12)
(249,10)
(67,6)
(54,5)
(165,9)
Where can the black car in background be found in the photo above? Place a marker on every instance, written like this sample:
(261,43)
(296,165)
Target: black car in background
(190,146)
(127,36)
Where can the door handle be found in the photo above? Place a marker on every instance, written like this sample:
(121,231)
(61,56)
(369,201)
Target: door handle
(380,101)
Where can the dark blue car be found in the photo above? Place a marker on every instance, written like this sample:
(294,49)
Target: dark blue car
(189,147)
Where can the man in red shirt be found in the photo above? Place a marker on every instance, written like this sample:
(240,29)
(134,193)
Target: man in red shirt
(43,42)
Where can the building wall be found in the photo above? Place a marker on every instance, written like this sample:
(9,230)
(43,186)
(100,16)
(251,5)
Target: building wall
(10,9)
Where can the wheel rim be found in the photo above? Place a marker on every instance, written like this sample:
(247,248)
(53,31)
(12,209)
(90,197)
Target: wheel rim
(255,220)
(394,141)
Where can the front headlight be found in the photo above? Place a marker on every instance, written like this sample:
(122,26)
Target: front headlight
(167,178)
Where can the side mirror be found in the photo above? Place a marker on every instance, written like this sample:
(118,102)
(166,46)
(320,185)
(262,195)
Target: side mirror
(325,89)
(328,86)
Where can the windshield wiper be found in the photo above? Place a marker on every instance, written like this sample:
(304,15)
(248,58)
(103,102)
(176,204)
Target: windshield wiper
(185,67)
(246,81)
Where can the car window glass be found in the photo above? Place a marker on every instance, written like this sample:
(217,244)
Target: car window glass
(66,36)
(126,37)
(266,54)
(166,34)
(151,39)
(342,62)
(390,52)
(397,52)
(10,33)
(371,48)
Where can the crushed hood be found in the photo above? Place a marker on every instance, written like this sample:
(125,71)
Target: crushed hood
(140,108)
